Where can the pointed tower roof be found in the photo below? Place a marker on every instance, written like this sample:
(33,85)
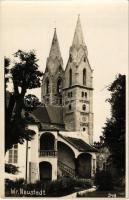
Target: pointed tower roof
(55,49)
(78,35)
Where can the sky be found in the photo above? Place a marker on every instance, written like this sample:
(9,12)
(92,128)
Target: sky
(28,25)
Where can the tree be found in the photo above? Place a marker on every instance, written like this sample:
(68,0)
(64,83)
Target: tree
(114,130)
(24,75)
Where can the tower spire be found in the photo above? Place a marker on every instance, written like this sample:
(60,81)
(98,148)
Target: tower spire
(55,49)
(78,35)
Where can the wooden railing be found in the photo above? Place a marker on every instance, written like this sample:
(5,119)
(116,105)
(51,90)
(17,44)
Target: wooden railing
(47,153)
(66,169)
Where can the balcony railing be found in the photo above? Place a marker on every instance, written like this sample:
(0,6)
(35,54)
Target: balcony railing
(47,153)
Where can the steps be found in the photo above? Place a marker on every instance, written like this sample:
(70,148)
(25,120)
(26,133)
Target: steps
(66,170)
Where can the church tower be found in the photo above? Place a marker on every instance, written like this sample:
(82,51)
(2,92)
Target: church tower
(78,89)
(52,84)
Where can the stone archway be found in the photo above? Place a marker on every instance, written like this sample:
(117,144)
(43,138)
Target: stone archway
(45,171)
(83,165)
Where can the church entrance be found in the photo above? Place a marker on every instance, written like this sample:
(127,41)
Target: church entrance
(45,171)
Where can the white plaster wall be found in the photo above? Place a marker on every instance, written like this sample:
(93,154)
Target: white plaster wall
(21,164)
(33,155)
(51,160)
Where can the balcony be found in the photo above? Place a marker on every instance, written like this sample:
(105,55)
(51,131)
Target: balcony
(47,153)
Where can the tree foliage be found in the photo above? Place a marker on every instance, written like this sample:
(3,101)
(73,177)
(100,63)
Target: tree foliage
(24,75)
(114,130)
(11,169)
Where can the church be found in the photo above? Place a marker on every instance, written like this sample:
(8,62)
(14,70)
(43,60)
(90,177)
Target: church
(63,143)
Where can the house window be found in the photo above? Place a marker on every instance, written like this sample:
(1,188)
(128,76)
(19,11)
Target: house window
(84,76)
(47,86)
(70,77)
(70,107)
(84,107)
(13,154)
(82,94)
(84,129)
(71,94)
(84,59)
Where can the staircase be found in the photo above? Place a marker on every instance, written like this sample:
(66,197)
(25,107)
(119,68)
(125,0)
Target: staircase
(66,170)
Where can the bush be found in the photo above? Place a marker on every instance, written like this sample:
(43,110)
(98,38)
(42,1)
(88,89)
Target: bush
(104,180)
(83,183)
(11,184)
(56,188)
(60,187)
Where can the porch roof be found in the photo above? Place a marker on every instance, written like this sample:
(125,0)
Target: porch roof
(79,144)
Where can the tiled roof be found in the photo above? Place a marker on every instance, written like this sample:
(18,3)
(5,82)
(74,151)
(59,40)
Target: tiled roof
(41,115)
(79,144)
(55,113)
(49,114)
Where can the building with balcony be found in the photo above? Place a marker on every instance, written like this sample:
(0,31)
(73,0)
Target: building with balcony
(63,143)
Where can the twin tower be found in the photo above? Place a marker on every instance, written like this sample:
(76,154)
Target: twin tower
(71,89)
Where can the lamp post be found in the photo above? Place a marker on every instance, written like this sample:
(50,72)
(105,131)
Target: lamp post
(26,172)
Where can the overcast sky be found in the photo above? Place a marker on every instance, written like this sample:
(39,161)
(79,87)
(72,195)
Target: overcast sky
(30,25)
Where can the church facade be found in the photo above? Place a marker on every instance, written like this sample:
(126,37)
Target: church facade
(63,143)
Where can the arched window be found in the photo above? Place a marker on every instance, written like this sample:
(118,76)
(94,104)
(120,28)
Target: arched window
(82,94)
(84,59)
(84,76)
(84,129)
(47,142)
(70,77)
(59,86)
(84,107)
(47,86)
(86,94)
